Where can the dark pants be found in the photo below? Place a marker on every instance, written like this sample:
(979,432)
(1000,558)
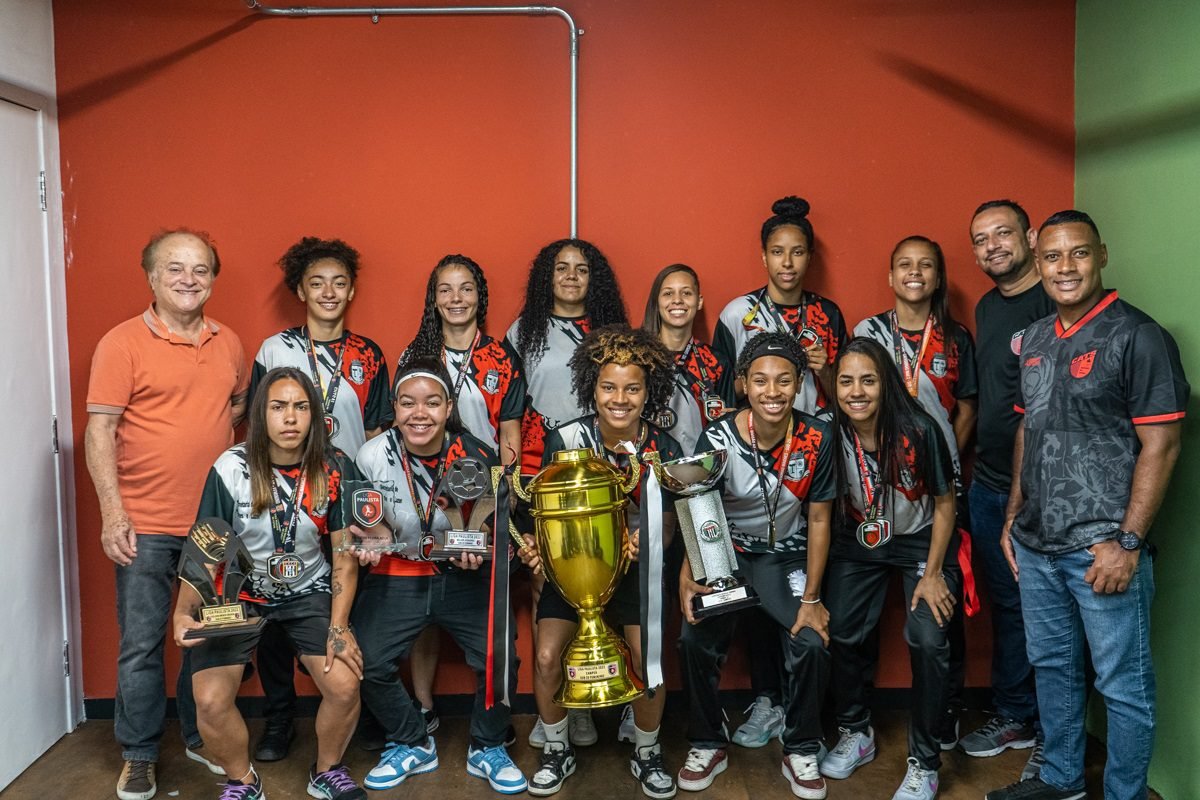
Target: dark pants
(766,655)
(390,614)
(855,589)
(276,671)
(145,590)
(703,648)
(1012,676)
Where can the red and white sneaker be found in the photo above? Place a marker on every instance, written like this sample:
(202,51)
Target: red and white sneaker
(700,768)
(803,776)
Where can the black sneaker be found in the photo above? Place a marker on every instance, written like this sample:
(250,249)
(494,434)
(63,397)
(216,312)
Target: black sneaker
(947,730)
(557,763)
(334,783)
(996,736)
(235,790)
(646,764)
(1034,789)
(510,736)
(276,740)
(1037,760)
(432,721)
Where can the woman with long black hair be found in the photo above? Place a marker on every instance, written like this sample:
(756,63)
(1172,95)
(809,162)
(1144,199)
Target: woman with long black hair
(897,516)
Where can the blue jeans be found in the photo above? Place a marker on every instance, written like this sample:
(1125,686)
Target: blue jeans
(1063,617)
(1012,676)
(145,590)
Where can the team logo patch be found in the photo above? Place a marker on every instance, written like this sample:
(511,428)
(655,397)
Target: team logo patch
(1082,365)
(710,531)
(808,337)
(357,373)
(1014,343)
(491,381)
(937,366)
(797,468)
(665,419)
(368,507)
(332,426)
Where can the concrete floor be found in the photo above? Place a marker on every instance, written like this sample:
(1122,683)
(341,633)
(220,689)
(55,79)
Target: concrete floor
(85,765)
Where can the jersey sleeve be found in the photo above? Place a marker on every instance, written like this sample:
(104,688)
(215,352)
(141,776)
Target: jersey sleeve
(1156,389)
(215,499)
(513,404)
(824,483)
(378,411)
(554,443)
(938,466)
(968,376)
(725,351)
(110,385)
(838,324)
(258,371)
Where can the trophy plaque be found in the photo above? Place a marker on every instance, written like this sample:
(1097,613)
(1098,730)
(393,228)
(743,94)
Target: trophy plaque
(363,505)
(216,563)
(705,530)
(467,484)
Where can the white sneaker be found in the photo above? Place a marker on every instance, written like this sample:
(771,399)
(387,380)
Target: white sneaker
(803,776)
(581,730)
(537,736)
(625,731)
(918,783)
(854,748)
(764,723)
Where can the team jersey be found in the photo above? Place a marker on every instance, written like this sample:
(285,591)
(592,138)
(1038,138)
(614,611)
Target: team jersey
(1083,391)
(746,316)
(379,461)
(1000,324)
(548,379)
(946,374)
(696,398)
(581,434)
(492,390)
(227,495)
(909,505)
(363,401)
(809,476)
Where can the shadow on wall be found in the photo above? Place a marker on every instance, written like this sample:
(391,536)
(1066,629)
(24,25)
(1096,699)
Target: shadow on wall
(1128,130)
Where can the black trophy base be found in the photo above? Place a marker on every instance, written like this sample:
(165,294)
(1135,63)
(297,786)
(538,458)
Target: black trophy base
(456,544)
(212,631)
(739,597)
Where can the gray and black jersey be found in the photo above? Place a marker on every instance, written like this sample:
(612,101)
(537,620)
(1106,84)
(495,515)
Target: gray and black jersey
(809,476)
(227,496)
(1083,391)
(492,390)
(363,401)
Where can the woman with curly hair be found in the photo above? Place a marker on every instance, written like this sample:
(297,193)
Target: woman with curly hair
(619,374)
(671,311)
(784,305)
(571,290)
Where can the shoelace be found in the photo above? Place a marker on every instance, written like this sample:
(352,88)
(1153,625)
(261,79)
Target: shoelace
(698,759)
(994,725)
(759,712)
(337,778)
(915,776)
(139,770)
(846,739)
(553,759)
(239,792)
(654,771)
(496,758)
(804,767)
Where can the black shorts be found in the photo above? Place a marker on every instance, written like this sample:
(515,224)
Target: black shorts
(624,608)
(305,620)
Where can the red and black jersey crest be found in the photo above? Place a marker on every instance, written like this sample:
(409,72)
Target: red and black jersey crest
(1082,365)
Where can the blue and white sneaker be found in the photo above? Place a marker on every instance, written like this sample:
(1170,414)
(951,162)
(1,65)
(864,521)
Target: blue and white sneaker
(399,761)
(494,764)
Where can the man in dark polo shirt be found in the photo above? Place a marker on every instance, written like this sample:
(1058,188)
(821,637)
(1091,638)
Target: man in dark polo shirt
(1103,396)
(1003,245)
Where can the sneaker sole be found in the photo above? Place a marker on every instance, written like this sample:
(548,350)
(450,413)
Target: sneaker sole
(127,795)
(648,791)
(842,774)
(199,759)
(476,772)
(540,792)
(388,784)
(1019,744)
(754,744)
(317,793)
(581,742)
(701,785)
(803,791)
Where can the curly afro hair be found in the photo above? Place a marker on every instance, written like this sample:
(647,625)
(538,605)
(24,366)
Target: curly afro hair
(429,340)
(773,343)
(603,303)
(620,344)
(308,251)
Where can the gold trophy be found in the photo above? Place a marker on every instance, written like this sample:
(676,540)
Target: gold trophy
(210,549)
(579,503)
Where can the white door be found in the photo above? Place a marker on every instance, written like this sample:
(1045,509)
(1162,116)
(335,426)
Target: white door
(33,687)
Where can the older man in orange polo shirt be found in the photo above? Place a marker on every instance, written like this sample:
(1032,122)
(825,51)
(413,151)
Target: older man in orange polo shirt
(166,390)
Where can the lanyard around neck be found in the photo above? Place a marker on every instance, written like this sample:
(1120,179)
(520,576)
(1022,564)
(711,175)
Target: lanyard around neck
(770,506)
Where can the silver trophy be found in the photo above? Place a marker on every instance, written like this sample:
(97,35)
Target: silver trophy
(364,506)
(705,530)
(468,485)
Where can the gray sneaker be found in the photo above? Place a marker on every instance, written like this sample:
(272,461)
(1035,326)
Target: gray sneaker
(1037,759)
(537,736)
(581,730)
(918,783)
(854,748)
(764,723)
(626,731)
(996,736)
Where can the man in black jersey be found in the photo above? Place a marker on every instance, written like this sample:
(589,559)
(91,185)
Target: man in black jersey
(1103,395)
(1002,241)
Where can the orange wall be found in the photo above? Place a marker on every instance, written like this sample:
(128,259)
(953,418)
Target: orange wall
(417,137)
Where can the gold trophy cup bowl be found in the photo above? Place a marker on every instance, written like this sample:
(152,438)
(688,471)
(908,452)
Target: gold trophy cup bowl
(579,503)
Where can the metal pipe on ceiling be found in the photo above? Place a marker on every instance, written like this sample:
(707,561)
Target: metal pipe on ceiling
(396,11)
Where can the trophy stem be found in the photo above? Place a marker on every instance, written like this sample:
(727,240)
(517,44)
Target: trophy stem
(595,671)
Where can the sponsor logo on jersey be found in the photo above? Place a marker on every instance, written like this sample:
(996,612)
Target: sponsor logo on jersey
(797,468)
(491,381)
(1082,365)
(1014,343)
(937,366)
(357,373)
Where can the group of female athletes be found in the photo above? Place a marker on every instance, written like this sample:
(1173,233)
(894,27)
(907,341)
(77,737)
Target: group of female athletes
(842,470)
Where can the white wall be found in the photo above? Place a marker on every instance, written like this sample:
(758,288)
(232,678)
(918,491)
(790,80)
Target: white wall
(27,45)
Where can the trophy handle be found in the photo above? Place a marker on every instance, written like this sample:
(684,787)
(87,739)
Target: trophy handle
(635,475)
(518,490)
(497,476)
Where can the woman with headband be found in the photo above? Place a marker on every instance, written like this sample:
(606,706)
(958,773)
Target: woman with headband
(405,592)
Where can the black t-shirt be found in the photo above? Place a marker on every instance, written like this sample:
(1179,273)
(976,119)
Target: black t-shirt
(1000,324)
(1082,392)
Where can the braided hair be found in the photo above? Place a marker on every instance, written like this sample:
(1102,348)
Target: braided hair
(429,340)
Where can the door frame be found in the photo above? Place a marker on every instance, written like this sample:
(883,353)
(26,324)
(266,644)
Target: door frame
(54,262)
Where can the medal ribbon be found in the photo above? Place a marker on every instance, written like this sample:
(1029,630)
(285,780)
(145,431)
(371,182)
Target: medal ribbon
(464,369)
(771,506)
(424,512)
(285,536)
(650,577)
(328,393)
(601,450)
(871,509)
(910,369)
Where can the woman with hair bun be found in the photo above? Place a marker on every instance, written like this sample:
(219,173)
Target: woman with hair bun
(784,305)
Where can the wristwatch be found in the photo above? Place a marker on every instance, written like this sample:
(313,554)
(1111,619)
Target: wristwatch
(1129,540)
